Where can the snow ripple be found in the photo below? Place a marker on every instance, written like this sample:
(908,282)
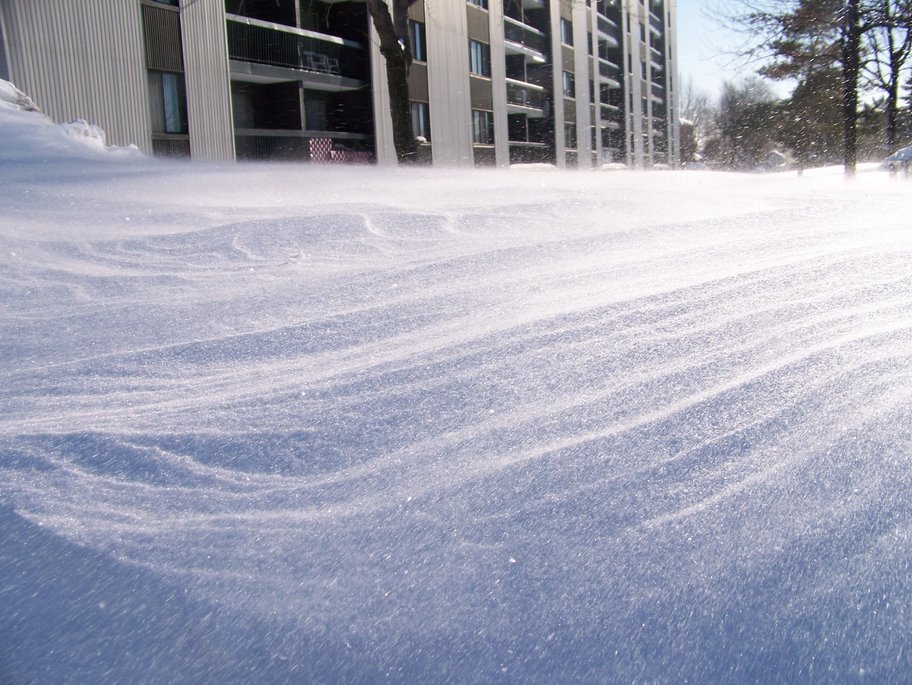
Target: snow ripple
(528,442)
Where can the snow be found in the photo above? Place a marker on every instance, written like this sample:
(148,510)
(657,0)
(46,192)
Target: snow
(291,423)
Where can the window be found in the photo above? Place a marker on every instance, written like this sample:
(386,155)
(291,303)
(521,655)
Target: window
(570,136)
(421,120)
(482,127)
(483,4)
(479,58)
(168,100)
(566,29)
(173,3)
(418,41)
(569,84)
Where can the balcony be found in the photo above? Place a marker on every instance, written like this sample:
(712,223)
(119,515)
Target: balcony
(610,117)
(315,146)
(612,64)
(656,26)
(264,52)
(522,39)
(609,74)
(525,98)
(608,29)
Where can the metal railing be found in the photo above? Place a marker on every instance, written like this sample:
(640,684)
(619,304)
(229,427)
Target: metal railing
(296,147)
(610,74)
(525,35)
(171,145)
(656,23)
(525,95)
(275,45)
(607,27)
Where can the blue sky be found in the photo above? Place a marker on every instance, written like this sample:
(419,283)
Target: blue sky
(705,49)
(701,43)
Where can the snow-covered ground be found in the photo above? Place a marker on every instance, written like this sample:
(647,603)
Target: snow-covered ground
(299,424)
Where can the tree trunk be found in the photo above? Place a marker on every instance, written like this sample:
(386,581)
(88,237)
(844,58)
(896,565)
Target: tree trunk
(398,57)
(892,113)
(851,48)
(400,108)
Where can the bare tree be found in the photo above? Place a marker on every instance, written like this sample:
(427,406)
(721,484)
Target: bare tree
(392,28)
(697,107)
(889,45)
(800,35)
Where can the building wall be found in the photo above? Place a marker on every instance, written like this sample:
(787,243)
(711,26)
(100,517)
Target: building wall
(557,87)
(4,56)
(383,125)
(82,59)
(583,18)
(635,53)
(671,59)
(449,90)
(205,51)
(498,91)
(85,59)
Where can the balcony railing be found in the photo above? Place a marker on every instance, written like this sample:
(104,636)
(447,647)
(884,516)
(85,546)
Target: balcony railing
(524,35)
(611,59)
(312,146)
(607,27)
(655,24)
(527,95)
(610,74)
(260,42)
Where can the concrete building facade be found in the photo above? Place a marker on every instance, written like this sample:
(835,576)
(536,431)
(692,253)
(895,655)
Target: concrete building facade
(574,83)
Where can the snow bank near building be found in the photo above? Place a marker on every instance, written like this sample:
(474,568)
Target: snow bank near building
(13,98)
(29,134)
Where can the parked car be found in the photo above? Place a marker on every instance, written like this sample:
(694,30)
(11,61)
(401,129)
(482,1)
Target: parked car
(900,160)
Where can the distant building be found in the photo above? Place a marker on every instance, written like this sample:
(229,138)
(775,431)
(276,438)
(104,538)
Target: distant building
(494,82)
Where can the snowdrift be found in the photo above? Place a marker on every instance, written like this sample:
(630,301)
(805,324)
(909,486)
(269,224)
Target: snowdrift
(306,424)
(29,135)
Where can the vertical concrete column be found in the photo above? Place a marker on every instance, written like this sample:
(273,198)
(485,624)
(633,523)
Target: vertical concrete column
(498,83)
(557,85)
(449,93)
(383,124)
(205,47)
(583,21)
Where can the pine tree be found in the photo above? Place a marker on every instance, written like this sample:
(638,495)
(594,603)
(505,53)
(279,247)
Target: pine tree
(806,36)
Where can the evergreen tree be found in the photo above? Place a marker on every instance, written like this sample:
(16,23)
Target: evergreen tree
(747,122)
(812,119)
(806,36)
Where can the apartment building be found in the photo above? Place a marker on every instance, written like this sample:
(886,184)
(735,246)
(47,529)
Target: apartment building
(494,82)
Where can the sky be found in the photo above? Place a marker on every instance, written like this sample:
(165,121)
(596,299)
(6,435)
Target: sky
(706,49)
(298,423)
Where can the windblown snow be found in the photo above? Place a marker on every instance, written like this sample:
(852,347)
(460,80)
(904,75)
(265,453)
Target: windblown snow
(310,424)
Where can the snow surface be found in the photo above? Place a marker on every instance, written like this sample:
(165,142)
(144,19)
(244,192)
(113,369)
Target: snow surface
(300,424)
